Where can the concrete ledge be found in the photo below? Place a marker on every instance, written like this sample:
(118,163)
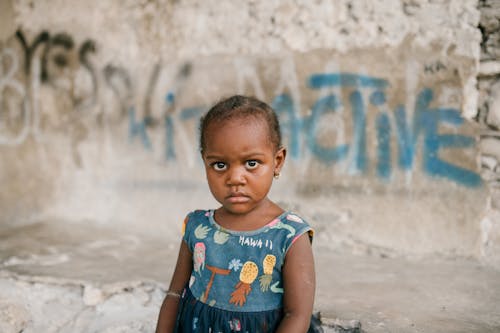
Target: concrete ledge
(76,278)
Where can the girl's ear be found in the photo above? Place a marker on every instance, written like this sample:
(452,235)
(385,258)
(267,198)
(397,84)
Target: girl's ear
(279,160)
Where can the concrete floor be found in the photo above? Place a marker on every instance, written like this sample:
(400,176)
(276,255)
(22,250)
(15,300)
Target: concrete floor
(62,277)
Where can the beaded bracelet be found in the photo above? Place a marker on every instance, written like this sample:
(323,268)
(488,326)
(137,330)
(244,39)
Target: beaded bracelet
(173,294)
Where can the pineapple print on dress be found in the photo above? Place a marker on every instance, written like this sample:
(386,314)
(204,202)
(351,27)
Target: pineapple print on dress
(248,274)
(265,280)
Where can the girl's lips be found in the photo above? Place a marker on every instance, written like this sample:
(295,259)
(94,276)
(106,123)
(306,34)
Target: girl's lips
(237,199)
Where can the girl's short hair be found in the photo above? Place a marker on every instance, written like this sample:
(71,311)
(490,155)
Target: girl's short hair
(237,107)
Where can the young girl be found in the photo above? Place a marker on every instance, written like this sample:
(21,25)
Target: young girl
(246,266)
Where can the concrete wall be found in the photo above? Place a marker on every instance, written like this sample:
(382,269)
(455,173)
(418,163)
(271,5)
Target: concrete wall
(378,102)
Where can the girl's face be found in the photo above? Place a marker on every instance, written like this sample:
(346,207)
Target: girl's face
(240,162)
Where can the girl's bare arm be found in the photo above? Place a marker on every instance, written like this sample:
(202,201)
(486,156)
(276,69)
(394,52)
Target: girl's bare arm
(299,286)
(168,310)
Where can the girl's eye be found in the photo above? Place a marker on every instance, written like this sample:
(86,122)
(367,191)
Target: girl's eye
(219,166)
(251,164)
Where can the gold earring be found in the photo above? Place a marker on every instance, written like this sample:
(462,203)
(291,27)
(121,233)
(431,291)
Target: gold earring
(276,175)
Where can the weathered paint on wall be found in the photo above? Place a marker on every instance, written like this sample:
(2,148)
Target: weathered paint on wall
(373,110)
(364,104)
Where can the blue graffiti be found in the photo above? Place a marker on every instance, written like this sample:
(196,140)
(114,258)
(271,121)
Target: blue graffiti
(290,122)
(192,113)
(317,81)
(383,125)
(138,129)
(169,127)
(358,108)
(301,131)
(185,115)
(359,119)
(425,123)
(333,154)
(169,135)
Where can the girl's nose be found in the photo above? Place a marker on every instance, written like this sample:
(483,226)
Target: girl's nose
(236,176)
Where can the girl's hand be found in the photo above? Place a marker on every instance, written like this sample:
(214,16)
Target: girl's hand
(168,311)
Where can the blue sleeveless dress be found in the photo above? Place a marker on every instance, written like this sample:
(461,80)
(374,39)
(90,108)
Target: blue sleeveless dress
(236,281)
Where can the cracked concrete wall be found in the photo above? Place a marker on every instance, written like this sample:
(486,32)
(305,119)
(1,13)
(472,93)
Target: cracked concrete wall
(100,102)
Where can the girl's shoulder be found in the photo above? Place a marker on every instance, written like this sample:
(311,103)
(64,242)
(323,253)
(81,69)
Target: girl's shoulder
(199,213)
(298,223)
(294,219)
(194,219)
(287,228)
(198,216)
(291,217)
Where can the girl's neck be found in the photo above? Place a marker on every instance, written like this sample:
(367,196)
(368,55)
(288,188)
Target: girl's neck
(252,220)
